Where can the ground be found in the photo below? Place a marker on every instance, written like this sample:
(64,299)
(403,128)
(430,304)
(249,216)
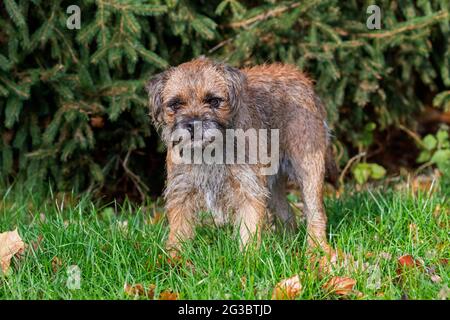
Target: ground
(114,245)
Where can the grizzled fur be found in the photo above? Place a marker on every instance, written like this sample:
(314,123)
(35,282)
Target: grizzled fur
(275,96)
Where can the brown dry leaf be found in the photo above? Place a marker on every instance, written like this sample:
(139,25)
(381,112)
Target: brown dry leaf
(407,262)
(168,295)
(97,122)
(338,260)
(178,262)
(138,290)
(11,244)
(56,264)
(340,285)
(423,183)
(287,289)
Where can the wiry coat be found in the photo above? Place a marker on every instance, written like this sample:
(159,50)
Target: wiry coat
(275,96)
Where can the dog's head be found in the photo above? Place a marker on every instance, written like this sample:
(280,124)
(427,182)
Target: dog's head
(198,94)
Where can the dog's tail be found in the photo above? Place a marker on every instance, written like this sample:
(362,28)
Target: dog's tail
(331,168)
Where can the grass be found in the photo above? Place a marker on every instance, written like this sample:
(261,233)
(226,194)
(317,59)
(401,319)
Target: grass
(118,245)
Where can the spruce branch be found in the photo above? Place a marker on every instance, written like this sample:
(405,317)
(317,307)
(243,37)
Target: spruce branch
(413,24)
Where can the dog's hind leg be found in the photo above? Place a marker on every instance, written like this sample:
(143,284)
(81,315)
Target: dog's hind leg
(306,148)
(279,205)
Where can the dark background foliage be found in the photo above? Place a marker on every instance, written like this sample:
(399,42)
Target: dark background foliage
(73,111)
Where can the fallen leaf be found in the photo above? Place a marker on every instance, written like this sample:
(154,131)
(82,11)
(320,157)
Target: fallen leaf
(431,271)
(138,290)
(340,285)
(97,122)
(443,293)
(337,260)
(423,183)
(287,289)
(133,290)
(10,245)
(168,295)
(178,262)
(56,264)
(407,262)
(435,278)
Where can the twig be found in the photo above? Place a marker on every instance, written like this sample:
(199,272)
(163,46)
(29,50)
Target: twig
(408,27)
(347,166)
(412,134)
(422,167)
(264,16)
(135,178)
(220,45)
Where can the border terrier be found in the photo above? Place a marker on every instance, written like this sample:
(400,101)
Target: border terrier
(221,97)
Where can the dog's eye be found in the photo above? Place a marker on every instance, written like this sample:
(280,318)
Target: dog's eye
(214,102)
(175,105)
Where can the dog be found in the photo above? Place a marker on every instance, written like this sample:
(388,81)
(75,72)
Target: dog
(221,97)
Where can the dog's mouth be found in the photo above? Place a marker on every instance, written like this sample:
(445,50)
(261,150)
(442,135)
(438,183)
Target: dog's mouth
(194,142)
(197,134)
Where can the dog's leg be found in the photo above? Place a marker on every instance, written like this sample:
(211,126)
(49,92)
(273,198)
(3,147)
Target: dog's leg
(307,148)
(279,204)
(249,219)
(181,216)
(311,171)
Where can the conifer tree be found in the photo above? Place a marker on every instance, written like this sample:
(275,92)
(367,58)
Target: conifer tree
(73,111)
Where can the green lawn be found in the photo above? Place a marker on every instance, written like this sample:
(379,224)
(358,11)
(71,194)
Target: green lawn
(119,245)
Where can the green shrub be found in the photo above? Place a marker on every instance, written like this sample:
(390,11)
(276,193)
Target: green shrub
(72,104)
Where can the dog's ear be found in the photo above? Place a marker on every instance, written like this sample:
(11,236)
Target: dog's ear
(154,89)
(237,85)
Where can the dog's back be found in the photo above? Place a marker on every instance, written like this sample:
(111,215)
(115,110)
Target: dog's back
(284,86)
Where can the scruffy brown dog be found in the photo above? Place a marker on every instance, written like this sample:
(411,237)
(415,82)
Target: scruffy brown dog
(275,96)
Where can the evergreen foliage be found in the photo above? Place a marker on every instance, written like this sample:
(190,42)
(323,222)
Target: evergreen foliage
(72,106)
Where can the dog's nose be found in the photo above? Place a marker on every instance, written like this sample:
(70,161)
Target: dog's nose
(193,124)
